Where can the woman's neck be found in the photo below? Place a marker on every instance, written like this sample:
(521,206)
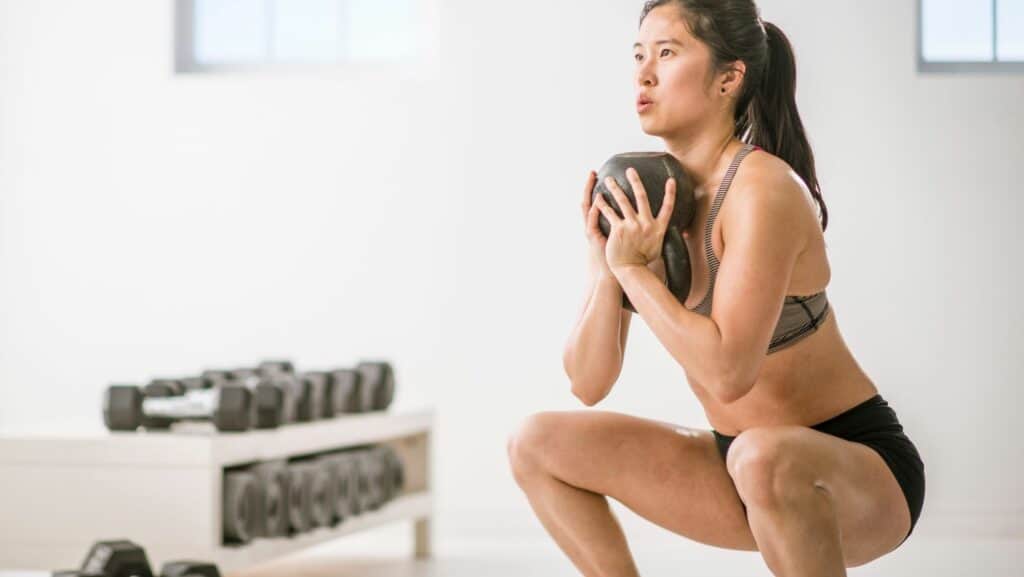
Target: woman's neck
(703,157)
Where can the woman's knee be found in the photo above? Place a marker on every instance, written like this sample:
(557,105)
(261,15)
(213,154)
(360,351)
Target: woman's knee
(529,444)
(766,466)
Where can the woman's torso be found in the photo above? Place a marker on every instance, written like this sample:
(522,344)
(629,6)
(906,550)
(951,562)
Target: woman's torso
(803,384)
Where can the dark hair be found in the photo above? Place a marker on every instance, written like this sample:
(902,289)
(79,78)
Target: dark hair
(766,113)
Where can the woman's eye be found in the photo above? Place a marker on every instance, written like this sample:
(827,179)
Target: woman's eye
(638,57)
(665,52)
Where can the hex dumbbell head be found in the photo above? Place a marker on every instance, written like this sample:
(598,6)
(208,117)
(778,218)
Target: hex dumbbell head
(234,408)
(274,479)
(117,559)
(347,391)
(321,494)
(299,498)
(122,407)
(269,400)
(379,376)
(318,384)
(241,502)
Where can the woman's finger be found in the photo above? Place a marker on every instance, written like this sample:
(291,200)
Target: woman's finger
(588,192)
(593,221)
(643,206)
(607,211)
(669,204)
(620,198)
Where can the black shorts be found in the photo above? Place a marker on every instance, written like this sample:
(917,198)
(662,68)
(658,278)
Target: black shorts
(874,423)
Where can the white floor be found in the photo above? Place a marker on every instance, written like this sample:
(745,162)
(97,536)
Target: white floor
(386,552)
(919,556)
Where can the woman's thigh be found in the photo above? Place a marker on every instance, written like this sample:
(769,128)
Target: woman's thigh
(671,475)
(869,505)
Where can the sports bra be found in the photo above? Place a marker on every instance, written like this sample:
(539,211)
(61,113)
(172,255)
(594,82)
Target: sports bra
(801,315)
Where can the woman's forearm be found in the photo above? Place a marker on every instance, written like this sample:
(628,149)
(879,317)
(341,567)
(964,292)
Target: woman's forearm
(693,340)
(593,352)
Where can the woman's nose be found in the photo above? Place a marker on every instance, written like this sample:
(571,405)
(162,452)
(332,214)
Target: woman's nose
(645,75)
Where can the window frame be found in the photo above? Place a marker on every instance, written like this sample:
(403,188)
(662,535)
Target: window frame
(185,62)
(984,67)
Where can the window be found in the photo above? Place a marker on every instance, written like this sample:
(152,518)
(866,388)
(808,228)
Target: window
(971,35)
(219,35)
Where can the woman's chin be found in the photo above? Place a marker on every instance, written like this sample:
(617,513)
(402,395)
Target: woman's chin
(650,127)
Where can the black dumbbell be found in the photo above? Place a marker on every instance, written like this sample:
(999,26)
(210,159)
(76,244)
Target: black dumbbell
(321,495)
(345,476)
(241,504)
(298,395)
(268,398)
(126,407)
(320,386)
(189,569)
(116,559)
(273,514)
(367,497)
(379,378)
(392,472)
(299,503)
(348,391)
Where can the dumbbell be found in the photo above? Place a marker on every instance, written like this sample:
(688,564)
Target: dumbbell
(348,391)
(309,494)
(339,494)
(392,472)
(299,396)
(299,501)
(346,471)
(386,475)
(367,496)
(242,501)
(378,383)
(126,407)
(321,389)
(116,559)
(268,399)
(273,514)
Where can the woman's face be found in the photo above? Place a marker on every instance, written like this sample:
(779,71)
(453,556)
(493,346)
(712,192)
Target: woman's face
(673,93)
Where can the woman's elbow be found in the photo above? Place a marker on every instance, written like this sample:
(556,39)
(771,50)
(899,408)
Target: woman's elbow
(589,388)
(588,394)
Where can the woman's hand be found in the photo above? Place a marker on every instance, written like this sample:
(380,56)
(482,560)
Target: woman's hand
(598,266)
(636,238)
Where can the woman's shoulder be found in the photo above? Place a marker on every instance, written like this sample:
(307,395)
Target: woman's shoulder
(770,178)
(765,183)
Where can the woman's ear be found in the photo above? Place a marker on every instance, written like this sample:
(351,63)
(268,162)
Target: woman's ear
(732,79)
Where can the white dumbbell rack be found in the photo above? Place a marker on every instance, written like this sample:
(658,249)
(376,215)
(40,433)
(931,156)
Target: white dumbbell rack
(163,490)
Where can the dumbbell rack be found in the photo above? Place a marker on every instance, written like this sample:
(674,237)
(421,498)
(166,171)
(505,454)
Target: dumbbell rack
(164,490)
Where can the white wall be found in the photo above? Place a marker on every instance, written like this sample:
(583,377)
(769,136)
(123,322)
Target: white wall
(155,225)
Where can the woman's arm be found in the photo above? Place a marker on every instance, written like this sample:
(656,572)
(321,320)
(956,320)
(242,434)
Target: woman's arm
(763,234)
(594,351)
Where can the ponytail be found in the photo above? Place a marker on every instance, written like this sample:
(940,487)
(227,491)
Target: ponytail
(772,120)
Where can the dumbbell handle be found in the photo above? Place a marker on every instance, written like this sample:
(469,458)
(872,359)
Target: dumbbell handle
(195,404)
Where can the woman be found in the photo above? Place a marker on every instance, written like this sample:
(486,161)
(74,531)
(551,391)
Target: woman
(806,463)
